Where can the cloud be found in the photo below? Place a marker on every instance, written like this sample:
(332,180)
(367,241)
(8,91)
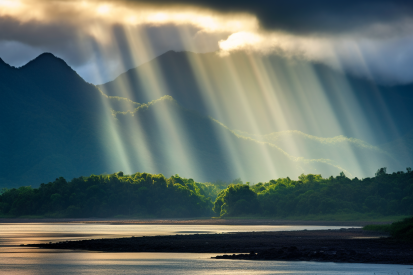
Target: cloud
(300,16)
(85,32)
(367,38)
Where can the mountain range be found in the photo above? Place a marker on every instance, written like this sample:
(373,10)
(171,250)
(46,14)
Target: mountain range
(309,97)
(157,118)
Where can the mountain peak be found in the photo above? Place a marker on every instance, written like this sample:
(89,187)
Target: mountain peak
(46,54)
(169,52)
(176,53)
(4,66)
(47,61)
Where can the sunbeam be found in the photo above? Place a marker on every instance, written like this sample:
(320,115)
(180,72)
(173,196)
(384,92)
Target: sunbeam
(245,91)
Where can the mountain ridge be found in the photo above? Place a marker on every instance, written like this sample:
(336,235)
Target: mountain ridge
(57,124)
(248,144)
(45,127)
(186,76)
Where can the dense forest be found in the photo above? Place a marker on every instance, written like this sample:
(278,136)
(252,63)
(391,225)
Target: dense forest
(384,194)
(137,195)
(148,195)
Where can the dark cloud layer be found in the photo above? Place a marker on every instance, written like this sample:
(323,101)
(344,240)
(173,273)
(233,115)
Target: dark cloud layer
(304,16)
(369,37)
(57,38)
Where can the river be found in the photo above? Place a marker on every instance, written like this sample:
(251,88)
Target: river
(23,260)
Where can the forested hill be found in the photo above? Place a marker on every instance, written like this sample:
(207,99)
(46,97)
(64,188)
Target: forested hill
(53,123)
(305,92)
(349,153)
(49,123)
(140,194)
(202,147)
(313,195)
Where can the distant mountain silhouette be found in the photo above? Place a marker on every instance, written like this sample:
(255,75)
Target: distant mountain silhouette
(308,94)
(53,123)
(213,150)
(50,120)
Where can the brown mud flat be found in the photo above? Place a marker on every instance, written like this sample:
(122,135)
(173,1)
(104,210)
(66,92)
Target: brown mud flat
(194,221)
(344,245)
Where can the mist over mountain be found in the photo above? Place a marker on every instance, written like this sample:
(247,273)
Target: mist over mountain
(53,123)
(351,154)
(203,148)
(254,94)
(401,147)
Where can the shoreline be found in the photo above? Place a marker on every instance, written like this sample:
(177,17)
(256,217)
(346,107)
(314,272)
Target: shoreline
(351,245)
(207,221)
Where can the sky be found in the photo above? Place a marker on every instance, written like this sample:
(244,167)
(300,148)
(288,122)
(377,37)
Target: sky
(101,39)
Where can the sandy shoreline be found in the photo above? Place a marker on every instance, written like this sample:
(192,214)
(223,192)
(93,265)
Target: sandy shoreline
(195,221)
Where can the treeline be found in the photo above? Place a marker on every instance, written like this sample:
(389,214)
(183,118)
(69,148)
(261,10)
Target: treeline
(385,194)
(137,195)
(400,230)
(148,195)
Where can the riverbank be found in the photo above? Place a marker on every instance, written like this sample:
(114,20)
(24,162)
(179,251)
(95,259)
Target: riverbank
(346,245)
(200,221)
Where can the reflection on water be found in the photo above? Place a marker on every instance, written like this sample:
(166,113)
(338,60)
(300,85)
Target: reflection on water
(24,260)
(178,263)
(25,233)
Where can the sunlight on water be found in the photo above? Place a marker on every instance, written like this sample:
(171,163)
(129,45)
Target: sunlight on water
(22,260)
(179,263)
(17,233)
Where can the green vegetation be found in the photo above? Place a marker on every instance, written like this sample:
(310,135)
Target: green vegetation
(403,229)
(378,227)
(400,230)
(148,195)
(138,195)
(383,195)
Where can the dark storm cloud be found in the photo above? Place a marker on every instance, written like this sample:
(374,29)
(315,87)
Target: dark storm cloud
(35,32)
(60,39)
(354,34)
(301,16)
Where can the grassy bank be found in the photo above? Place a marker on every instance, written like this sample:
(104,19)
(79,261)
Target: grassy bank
(400,230)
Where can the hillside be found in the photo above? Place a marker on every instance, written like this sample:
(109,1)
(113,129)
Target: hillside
(142,195)
(261,96)
(53,124)
(351,154)
(385,194)
(401,148)
(50,120)
(184,142)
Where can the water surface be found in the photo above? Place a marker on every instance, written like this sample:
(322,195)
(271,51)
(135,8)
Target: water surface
(23,260)
(26,233)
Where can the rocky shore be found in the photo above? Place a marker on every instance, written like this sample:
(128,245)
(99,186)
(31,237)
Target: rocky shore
(344,245)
